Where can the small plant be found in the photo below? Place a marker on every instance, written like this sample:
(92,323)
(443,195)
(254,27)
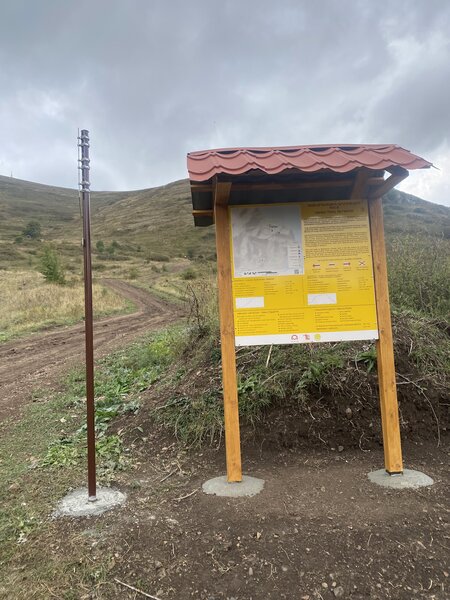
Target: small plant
(319,367)
(133,273)
(369,358)
(51,267)
(62,453)
(189,274)
(100,245)
(193,420)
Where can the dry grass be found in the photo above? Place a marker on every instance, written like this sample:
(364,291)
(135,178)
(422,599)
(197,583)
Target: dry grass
(28,303)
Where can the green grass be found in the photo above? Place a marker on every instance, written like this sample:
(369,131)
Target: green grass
(44,454)
(419,274)
(119,381)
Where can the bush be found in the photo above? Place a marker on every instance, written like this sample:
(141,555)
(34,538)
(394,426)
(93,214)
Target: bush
(159,257)
(32,230)
(100,245)
(133,273)
(189,274)
(51,267)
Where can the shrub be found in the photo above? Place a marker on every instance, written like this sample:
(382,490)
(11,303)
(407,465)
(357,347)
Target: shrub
(159,257)
(189,274)
(32,230)
(51,267)
(100,245)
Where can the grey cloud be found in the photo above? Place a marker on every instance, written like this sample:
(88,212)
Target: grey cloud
(154,79)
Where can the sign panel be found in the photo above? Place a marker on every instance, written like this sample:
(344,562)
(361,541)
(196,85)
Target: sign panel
(302,272)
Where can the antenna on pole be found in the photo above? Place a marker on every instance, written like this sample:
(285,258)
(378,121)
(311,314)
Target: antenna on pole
(84,188)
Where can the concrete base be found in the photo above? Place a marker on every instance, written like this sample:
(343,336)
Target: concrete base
(406,480)
(76,503)
(219,486)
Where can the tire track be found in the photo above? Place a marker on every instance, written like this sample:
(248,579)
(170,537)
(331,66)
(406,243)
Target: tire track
(38,360)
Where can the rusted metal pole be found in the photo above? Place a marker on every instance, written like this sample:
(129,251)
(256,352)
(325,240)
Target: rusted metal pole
(83,142)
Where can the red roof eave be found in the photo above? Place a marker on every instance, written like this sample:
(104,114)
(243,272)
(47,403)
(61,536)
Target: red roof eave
(204,165)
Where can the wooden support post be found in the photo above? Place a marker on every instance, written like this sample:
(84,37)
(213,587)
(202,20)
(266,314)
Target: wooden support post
(229,377)
(360,184)
(385,348)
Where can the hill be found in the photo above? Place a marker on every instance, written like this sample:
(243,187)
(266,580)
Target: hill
(149,235)
(155,221)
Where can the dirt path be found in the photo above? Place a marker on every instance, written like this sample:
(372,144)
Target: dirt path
(37,361)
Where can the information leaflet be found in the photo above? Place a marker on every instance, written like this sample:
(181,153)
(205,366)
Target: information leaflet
(302,272)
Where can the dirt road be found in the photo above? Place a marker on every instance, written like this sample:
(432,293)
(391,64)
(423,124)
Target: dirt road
(37,361)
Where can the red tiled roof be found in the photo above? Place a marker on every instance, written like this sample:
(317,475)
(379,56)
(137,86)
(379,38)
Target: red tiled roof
(339,158)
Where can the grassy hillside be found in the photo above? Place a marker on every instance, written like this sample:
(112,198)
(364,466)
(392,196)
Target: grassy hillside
(152,221)
(145,224)
(148,235)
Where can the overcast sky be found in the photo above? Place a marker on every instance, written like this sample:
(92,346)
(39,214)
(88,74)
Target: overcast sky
(154,79)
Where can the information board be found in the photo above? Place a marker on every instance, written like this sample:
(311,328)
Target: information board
(302,273)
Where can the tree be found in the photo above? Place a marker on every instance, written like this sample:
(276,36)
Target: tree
(32,230)
(51,267)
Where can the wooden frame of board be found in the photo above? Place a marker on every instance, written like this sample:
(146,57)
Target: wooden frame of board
(221,191)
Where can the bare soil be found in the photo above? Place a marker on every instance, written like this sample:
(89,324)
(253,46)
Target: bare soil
(39,360)
(319,530)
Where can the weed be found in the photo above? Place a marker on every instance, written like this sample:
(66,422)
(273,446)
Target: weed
(368,358)
(193,420)
(189,274)
(119,380)
(62,453)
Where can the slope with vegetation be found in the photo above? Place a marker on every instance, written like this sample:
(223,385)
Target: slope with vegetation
(148,236)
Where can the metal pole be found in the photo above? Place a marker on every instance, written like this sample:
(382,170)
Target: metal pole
(83,143)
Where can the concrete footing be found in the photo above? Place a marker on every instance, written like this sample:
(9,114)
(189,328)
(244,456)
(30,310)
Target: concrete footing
(407,480)
(219,486)
(77,504)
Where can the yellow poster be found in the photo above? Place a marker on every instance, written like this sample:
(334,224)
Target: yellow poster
(302,272)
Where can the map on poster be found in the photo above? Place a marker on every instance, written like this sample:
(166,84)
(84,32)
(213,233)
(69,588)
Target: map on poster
(302,272)
(267,241)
